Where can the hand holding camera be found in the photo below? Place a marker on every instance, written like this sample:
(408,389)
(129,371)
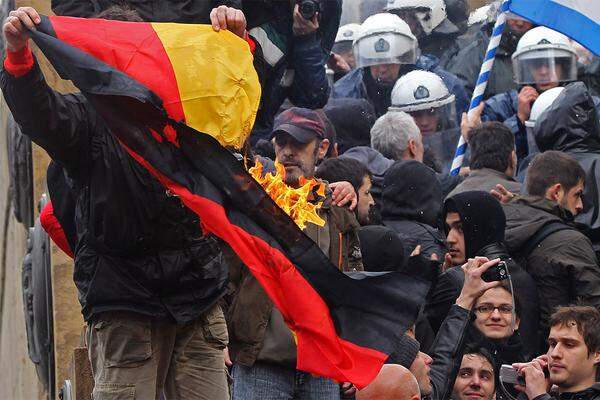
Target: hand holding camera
(531,378)
(306,17)
(474,285)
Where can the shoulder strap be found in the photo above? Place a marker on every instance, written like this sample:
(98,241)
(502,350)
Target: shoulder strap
(541,234)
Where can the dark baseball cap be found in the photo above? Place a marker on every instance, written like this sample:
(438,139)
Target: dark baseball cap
(301,123)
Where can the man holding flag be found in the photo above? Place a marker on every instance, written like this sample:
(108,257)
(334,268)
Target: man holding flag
(149,279)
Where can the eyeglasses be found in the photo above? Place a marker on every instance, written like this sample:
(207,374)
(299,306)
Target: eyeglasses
(489,308)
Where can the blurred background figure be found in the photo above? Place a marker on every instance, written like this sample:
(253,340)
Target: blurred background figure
(429,23)
(341,59)
(384,50)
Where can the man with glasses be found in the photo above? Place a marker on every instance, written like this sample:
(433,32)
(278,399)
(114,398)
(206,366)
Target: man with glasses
(475,224)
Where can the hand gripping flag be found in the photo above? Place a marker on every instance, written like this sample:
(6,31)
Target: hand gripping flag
(578,19)
(158,86)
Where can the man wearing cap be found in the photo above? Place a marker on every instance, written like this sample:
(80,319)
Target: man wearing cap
(262,347)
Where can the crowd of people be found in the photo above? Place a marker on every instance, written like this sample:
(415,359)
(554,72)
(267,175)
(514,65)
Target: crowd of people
(374,109)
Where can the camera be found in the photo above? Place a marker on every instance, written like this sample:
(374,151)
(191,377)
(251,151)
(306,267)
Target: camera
(308,8)
(497,272)
(510,375)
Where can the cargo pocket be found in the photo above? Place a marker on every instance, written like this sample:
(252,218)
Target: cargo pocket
(126,341)
(113,391)
(215,328)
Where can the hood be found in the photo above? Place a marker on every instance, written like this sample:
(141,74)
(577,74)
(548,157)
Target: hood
(352,119)
(381,249)
(411,191)
(525,215)
(482,219)
(570,123)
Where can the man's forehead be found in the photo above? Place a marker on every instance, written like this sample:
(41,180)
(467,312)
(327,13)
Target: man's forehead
(476,362)
(285,137)
(495,297)
(568,330)
(578,188)
(452,217)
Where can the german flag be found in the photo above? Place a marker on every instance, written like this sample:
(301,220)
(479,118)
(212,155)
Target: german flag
(174,95)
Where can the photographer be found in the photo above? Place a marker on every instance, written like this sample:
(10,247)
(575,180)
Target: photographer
(435,373)
(571,363)
(475,225)
(294,38)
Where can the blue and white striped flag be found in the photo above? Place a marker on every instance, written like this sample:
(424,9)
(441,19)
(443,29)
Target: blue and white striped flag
(578,19)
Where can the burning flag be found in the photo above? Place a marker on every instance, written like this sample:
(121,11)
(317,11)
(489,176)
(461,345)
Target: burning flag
(158,86)
(294,201)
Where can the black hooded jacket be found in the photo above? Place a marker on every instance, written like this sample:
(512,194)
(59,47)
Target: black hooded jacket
(484,225)
(138,249)
(353,120)
(411,204)
(571,125)
(482,219)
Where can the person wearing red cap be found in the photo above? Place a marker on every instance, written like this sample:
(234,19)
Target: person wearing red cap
(262,347)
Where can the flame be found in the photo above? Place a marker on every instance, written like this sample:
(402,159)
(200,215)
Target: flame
(293,201)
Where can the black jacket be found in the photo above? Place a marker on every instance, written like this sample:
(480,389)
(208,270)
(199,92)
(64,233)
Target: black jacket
(571,125)
(294,66)
(188,11)
(591,393)
(508,352)
(447,352)
(138,249)
(412,201)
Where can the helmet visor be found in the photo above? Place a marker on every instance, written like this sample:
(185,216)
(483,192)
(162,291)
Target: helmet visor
(442,145)
(342,47)
(386,48)
(434,119)
(544,66)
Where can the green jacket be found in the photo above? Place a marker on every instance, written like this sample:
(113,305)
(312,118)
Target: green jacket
(250,309)
(563,265)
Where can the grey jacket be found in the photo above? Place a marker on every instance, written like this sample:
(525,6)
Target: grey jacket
(486,179)
(563,265)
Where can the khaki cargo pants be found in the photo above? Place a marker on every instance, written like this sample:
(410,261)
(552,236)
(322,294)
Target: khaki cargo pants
(139,357)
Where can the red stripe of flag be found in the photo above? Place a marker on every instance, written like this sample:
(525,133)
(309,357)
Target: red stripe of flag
(131,47)
(317,337)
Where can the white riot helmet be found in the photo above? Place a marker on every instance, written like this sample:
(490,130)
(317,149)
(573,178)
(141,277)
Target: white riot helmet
(384,39)
(344,38)
(420,92)
(542,103)
(544,56)
(347,32)
(429,13)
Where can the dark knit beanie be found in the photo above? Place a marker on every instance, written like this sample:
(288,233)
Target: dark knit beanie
(405,353)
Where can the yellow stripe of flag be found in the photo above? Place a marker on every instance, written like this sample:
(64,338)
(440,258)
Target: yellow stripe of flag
(218,85)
